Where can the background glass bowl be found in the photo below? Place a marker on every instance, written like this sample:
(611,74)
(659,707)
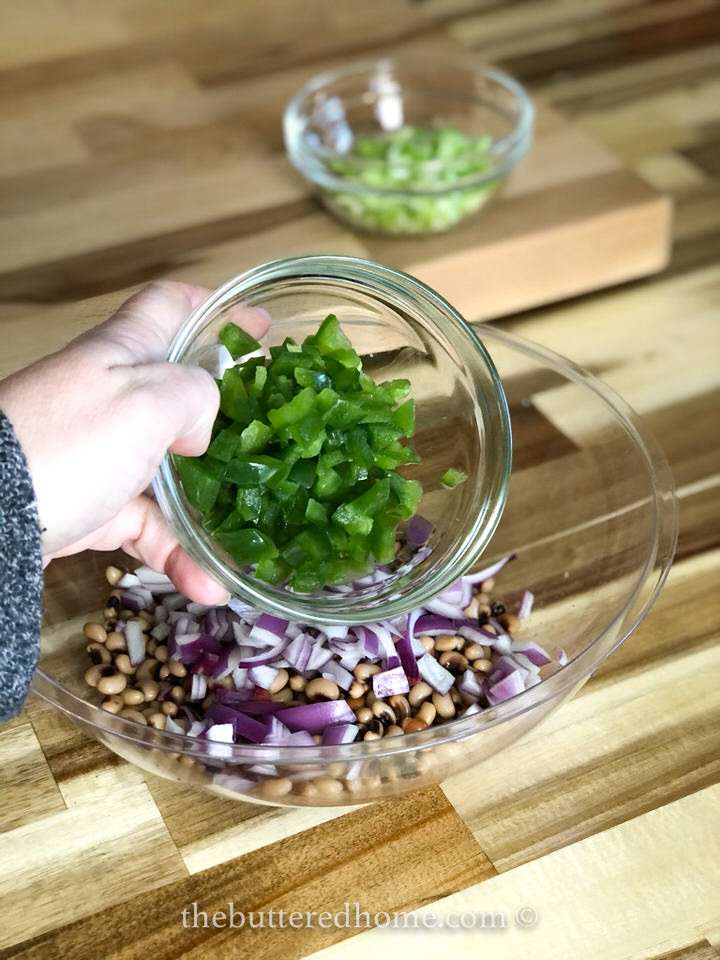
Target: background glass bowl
(591,514)
(400,328)
(324,119)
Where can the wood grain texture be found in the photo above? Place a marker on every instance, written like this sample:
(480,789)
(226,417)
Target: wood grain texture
(127,144)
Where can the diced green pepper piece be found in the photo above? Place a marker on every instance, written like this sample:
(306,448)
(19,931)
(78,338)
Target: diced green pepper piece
(330,336)
(272,570)
(293,411)
(255,437)
(382,539)
(404,418)
(407,494)
(453,478)
(200,482)
(303,471)
(316,513)
(254,469)
(234,400)
(356,516)
(248,546)
(225,445)
(238,341)
(249,503)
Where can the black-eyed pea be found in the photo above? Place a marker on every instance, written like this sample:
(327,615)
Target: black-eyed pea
(444,706)
(274,789)
(163,672)
(487,587)
(96,673)
(122,662)
(169,708)
(151,647)
(147,670)
(328,787)
(370,698)
(418,693)
(373,734)
(226,683)
(336,769)
(472,610)
(428,643)
(113,704)
(509,621)
(308,790)
(454,695)
(297,683)
(157,720)
(115,642)
(177,669)
(132,697)
(279,682)
(113,574)
(178,695)
(355,702)
(454,661)
(161,653)
(363,671)
(357,690)
(322,689)
(364,715)
(384,713)
(414,725)
(475,651)
(483,666)
(394,731)
(283,696)
(126,614)
(112,683)
(98,652)
(150,690)
(426,713)
(95,631)
(130,713)
(400,705)
(447,641)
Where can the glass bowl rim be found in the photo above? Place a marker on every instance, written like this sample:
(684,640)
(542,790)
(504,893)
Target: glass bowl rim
(657,567)
(478,533)
(312,161)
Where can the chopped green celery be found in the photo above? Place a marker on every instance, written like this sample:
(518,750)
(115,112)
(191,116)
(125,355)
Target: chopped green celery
(294,410)
(238,341)
(356,516)
(255,437)
(249,503)
(453,478)
(248,546)
(316,513)
(251,469)
(200,482)
(272,570)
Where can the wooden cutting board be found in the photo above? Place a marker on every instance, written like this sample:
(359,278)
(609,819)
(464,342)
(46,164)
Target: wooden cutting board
(143,148)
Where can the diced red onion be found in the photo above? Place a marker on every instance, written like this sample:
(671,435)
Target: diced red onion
(562,658)
(227,661)
(128,580)
(431,625)
(172,727)
(526,605)
(237,699)
(444,609)
(470,684)
(390,682)
(263,676)
(314,717)
(506,688)
(206,664)
(191,646)
(298,651)
(153,579)
(266,656)
(336,631)
(340,733)
(161,614)
(269,629)
(160,631)
(332,670)
(244,726)
(173,601)
(276,731)
(418,531)
(488,572)
(436,675)
(301,738)
(131,601)
(319,656)
(198,688)
(135,641)
(406,648)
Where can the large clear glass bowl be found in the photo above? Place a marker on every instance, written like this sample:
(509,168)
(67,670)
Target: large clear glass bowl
(325,119)
(591,515)
(401,329)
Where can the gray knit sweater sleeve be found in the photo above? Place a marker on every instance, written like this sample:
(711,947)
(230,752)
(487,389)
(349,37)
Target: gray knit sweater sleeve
(20,575)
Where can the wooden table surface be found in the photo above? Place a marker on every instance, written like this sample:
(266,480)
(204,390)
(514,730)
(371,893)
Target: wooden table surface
(598,836)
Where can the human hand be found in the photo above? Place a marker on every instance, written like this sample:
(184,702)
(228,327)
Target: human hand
(95,419)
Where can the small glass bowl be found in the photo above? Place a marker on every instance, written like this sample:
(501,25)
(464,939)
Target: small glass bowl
(401,329)
(592,517)
(326,117)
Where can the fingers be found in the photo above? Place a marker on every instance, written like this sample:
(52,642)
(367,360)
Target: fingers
(144,327)
(141,531)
